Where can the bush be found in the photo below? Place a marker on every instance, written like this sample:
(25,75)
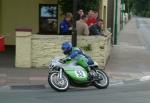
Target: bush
(86,5)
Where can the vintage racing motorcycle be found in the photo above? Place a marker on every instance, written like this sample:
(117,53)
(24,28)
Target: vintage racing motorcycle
(63,74)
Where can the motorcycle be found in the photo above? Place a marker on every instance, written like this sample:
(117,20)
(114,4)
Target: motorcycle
(63,74)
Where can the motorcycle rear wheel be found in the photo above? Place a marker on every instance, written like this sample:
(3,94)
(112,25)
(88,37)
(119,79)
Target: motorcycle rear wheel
(58,84)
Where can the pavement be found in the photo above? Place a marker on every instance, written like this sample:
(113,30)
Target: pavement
(23,76)
(129,61)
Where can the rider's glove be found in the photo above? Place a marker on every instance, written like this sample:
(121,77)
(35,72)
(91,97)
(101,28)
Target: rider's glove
(67,59)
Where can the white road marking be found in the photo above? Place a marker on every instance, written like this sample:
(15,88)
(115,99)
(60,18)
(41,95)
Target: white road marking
(5,87)
(145,78)
(116,84)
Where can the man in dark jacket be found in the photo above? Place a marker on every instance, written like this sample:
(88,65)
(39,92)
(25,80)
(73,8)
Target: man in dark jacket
(65,26)
(97,28)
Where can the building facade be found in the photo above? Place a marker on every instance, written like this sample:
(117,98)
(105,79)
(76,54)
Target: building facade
(25,14)
(116,17)
(19,14)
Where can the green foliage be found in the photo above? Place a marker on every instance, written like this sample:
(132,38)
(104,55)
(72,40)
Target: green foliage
(66,5)
(86,5)
(140,7)
(87,47)
(129,5)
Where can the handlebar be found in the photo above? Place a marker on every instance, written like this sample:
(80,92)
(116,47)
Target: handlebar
(62,61)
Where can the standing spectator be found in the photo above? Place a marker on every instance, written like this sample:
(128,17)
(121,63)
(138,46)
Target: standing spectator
(79,14)
(97,28)
(65,26)
(126,17)
(92,16)
(82,27)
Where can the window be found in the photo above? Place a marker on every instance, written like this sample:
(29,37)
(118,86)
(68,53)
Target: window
(48,18)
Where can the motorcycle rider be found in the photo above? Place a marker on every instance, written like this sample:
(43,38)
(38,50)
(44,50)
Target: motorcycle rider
(75,53)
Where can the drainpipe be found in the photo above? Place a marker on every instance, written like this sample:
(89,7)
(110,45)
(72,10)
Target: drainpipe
(116,23)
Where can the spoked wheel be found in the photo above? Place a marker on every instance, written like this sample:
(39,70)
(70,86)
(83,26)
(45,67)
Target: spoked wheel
(103,80)
(59,84)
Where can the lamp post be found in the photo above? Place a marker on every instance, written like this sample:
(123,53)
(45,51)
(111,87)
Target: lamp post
(116,23)
(74,31)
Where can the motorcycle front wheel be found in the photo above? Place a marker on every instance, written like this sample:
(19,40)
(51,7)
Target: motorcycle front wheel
(58,84)
(103,80)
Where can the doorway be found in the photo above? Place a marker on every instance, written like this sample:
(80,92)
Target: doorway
(7,58)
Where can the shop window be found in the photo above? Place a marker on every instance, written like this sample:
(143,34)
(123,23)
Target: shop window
(48,18)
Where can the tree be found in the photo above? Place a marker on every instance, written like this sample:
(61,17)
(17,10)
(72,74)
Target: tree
(86,5)
(142,7)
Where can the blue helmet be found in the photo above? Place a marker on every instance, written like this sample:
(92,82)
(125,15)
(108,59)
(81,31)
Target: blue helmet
(66,47)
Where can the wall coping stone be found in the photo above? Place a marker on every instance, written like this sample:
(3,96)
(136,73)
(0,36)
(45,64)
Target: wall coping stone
(35,36)
(23,34)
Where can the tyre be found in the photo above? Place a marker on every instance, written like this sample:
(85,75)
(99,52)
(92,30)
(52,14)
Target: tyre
(58,84)
(103,80)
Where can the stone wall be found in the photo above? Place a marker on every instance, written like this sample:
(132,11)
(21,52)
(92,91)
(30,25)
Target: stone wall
(45,47)
(100,47)
(23,48)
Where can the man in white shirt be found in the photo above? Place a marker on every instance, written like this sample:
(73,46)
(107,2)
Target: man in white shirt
(82,27)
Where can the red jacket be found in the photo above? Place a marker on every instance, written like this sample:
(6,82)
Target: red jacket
(91,21)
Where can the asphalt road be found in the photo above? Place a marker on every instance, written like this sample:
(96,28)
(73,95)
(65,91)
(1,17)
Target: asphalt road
(131,92)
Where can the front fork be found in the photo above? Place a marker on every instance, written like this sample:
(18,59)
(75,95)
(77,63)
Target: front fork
(60,73)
